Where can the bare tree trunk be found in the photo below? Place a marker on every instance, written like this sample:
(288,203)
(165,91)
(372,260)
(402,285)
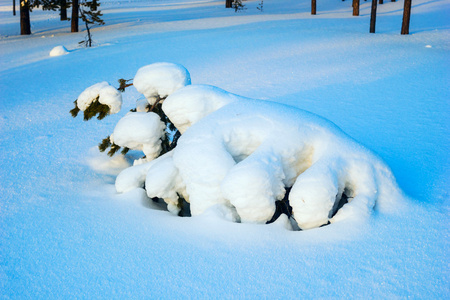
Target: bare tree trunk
(406,17)
(25,27)
(381,1)
(373,16)
(63,10)
(356,7)
(75,7)
(228,3)
(14,7)
(89,40)
(313,7)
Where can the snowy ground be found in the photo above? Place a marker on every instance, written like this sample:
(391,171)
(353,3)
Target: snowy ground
(65,233)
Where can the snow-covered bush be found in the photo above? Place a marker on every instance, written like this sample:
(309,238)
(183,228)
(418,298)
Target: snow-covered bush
(244,157)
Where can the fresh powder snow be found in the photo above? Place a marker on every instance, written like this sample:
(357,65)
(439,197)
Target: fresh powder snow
(65,232)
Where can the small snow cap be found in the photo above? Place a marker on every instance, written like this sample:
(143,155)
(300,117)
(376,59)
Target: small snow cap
(160,79)
(58,51)
(106,94)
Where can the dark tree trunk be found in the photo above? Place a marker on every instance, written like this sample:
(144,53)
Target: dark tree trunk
(313,7)
(14,7)
(356,7)
(25,27)
(75,6)
(63,10)
(406,17)
(373,16)
(228,3)
(381,1)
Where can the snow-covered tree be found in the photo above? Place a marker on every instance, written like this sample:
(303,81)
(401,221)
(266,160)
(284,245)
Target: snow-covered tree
(244,158)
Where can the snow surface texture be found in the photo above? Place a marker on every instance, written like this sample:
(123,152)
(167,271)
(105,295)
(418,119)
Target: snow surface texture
(246,152)
(65,232)
(105,93)
(58,51)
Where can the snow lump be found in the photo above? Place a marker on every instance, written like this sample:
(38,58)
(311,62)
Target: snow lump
(140,131)
(102,92)
(160,80)
(58,51)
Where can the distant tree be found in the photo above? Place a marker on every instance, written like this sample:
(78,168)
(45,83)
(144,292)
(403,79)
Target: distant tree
(228,3)
(373,16)
(238,6)
(26,6)
(260,6)
(63,10)
(14,7)
(25,27)
(406,17)
(74,20)
(313,7)
(90,16)
(356,7)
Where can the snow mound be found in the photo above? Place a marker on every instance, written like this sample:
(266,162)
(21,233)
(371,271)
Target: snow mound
(247,153)
(58,51)
(140,131)
(159,80)
(243,155)
(104,93)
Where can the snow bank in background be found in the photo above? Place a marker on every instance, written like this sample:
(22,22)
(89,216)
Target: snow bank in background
(58,51)
(160,80)
(191,103)
(140,131)
(105,93)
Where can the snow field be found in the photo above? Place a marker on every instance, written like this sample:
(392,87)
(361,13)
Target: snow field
(65,232)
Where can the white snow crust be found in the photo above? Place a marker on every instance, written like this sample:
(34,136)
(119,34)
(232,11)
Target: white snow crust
(140,131)
(58,51)
(106,94)
(160,80)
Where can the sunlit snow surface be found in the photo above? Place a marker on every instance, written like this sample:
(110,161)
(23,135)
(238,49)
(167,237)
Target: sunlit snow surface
(64,232)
